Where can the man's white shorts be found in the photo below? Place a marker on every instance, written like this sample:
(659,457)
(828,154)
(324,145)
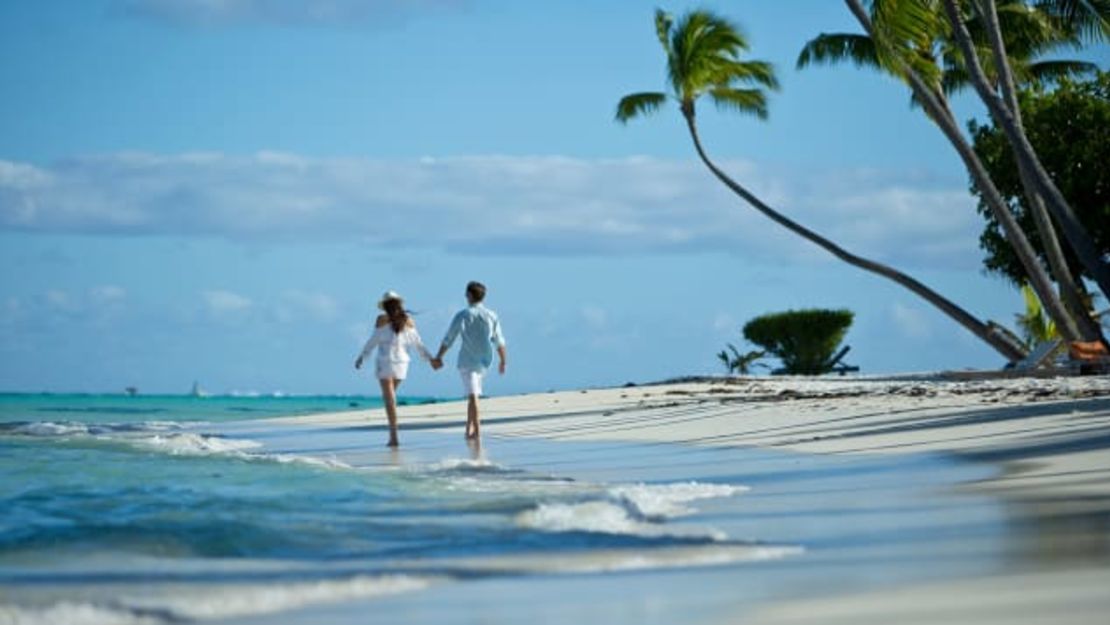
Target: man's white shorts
(472,381)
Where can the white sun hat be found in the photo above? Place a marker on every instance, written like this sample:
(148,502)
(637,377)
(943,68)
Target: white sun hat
(388,295)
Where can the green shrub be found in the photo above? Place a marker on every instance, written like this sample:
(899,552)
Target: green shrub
(804,340)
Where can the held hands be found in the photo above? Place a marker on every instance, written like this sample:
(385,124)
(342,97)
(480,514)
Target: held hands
(437,364)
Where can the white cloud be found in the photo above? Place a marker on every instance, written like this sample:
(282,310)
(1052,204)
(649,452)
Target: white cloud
(13,310)
(60,300)
(108,294)
(100,303)
(317,306)
(495,204)
(725,323)
(279,12)
(911,321)
(221,302)
(594,316)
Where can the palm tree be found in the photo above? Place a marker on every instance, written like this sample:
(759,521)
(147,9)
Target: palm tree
(905,35)
(704,59)
(1065,26)
(1030,34)
(1003,107)
(915,41)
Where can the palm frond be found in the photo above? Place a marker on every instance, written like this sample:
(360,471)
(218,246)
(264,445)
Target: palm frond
(1090,19)
(1036,326)
(1026,31)
(748,73)
(902,26)
(704,57)
(1048,72)
(702,43)
(833,48)
(955,80)
(663,22)
(747,101)
(639,104)
(905,36)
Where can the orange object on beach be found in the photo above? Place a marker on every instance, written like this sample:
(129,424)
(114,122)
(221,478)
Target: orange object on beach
(1087,350)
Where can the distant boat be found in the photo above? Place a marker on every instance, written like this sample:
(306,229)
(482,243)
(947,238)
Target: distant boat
(131,391)
(197,390)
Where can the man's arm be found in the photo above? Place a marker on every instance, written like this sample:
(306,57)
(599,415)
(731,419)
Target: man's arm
(448,339)
(499,340)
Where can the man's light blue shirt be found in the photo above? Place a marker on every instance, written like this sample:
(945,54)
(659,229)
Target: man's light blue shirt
(480,331)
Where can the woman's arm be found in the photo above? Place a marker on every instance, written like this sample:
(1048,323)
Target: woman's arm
(377,338)
(418,343)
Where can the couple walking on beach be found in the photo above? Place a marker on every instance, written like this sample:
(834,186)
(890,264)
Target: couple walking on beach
(395,334)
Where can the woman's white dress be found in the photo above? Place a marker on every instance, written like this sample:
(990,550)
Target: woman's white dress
(393,358)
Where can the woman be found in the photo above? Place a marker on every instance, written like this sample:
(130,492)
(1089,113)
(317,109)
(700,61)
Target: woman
(394,334)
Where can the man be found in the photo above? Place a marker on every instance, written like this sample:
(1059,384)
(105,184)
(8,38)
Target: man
(481,332)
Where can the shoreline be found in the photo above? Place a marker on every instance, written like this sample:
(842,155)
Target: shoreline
(1049,436)
(1047,439)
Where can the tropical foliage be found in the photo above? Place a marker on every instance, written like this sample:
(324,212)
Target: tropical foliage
(703,53)
(804,340)
(1070,129)
(704,58)
(735,362)
(922,36)
(1035,327)
(939,46)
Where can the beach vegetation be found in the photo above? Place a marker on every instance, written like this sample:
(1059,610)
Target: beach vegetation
(938,47)
(742,364)
(1070,128)
(806,341)
(705,58)
(1036,328)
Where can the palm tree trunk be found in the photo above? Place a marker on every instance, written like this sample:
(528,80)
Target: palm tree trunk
(1076,235)
(1069,291)
(984,331)
(937,108)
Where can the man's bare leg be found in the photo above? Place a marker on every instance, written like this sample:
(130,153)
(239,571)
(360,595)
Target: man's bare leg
(472,427)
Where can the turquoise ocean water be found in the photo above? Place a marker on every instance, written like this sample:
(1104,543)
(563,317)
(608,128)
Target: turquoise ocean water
(146,509)
(164,510)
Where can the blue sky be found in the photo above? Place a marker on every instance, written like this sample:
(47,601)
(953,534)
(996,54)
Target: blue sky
(219,190)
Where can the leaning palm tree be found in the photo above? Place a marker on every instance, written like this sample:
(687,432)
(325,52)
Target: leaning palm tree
(905,33)
(916,46)
(1056,23)
(704,59)
(1001,102)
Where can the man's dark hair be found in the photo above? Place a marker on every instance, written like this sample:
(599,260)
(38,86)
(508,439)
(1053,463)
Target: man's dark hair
(476,291)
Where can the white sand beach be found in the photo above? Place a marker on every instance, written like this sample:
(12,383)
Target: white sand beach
(1041,448)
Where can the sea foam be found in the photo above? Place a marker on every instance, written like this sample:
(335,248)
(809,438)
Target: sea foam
(633,510)
(663,501)
(224,602)
(162,436)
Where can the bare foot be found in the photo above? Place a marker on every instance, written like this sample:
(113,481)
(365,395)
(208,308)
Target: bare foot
(393,443)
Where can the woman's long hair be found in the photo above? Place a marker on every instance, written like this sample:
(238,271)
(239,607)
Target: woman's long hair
(398,316)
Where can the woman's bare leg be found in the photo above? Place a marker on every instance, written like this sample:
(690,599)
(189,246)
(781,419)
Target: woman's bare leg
(389,396)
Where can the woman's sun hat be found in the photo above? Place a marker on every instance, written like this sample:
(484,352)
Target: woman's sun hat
(388,295)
